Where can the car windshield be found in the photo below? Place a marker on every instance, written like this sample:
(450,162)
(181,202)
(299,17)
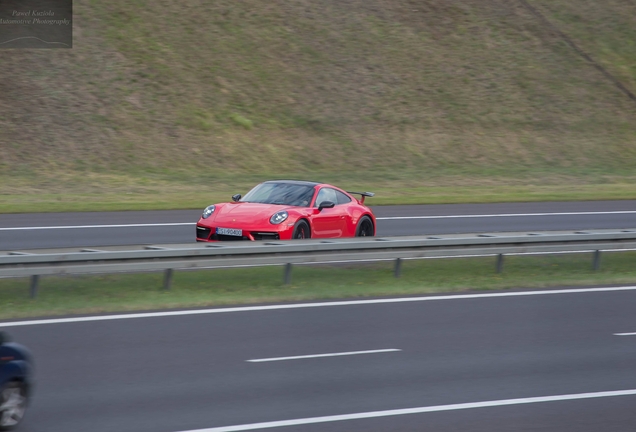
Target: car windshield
(281,193)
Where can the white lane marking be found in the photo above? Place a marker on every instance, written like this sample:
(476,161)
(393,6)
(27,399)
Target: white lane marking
(624,334)
(418,410)
(323,355)
(507,215)
(97,226)
(377,218)
(312,305)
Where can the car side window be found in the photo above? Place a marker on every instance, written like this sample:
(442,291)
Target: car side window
(342,198)
(326,194)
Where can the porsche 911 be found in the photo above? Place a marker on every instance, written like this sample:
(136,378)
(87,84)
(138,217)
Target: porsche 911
(288,209)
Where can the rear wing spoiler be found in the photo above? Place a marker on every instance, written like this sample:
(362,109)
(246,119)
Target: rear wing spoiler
(364,195)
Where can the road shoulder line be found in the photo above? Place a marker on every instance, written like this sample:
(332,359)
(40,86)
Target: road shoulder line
(418,410)
(314,305)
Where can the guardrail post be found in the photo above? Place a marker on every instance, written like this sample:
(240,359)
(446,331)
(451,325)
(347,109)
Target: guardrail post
(500,261)
(397,271)
(287,278)
(596,264)
(35,280)
(167,279)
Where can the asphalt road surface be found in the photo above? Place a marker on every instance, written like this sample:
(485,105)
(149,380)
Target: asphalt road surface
(561,361)
(40,230)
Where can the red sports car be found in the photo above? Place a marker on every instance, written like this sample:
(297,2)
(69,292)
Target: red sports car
(288,209)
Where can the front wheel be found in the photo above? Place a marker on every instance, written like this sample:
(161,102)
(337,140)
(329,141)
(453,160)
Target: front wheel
(13,404)
(301,230)
(365,227)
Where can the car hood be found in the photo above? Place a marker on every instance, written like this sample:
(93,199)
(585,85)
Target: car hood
(248,212)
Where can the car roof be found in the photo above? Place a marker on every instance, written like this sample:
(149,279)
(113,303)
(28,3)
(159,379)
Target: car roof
(298,182)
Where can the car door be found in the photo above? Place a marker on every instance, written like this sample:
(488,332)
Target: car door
(329,222)
(344,207)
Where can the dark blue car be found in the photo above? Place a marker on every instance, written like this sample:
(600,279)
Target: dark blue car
(15,382)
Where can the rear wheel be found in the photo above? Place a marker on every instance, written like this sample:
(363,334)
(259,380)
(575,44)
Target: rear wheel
(365,227)
(301,230)
(13,404)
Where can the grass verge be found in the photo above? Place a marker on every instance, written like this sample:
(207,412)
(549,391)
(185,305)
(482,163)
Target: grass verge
(177,190)
(192,289)
(419,101)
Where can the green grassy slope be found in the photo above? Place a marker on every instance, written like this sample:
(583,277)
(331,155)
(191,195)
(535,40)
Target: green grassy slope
(158,99)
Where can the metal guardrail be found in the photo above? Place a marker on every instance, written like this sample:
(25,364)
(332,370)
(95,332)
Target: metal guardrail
(41,262)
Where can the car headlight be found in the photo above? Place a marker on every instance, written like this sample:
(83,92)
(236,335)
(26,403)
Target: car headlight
(279,217)
(208,211)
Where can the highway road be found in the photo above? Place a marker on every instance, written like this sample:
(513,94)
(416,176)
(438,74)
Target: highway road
(551,362)
(52,230)
(555,360)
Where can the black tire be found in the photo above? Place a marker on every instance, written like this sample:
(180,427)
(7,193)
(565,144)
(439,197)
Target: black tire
(13,404)
(365,227)
(301,230)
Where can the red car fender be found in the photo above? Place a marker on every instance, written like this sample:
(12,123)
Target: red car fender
(296,215)
(360,214)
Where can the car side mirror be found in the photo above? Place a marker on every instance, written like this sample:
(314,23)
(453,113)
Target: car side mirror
(236,197)
(325,204)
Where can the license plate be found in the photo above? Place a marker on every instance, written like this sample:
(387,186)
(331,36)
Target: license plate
(230,232)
